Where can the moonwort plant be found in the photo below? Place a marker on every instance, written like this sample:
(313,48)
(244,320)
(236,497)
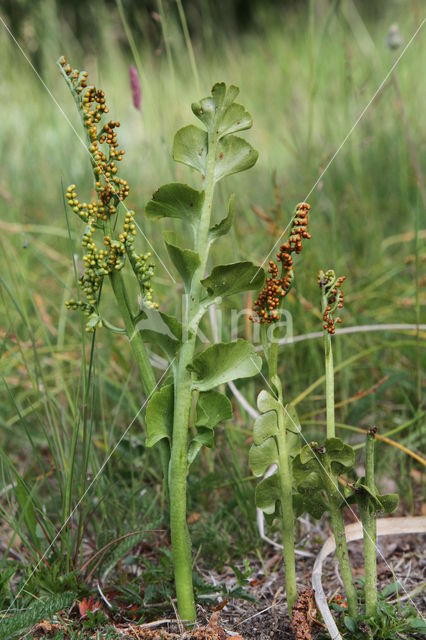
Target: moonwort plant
(214,152)
(276,433)
(317,467)
(105,225)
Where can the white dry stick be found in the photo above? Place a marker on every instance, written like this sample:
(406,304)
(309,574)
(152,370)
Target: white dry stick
(385,527)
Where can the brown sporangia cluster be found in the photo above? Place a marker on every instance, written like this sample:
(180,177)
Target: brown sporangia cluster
(101,213)
(304,615)
(267,304)
(332,298)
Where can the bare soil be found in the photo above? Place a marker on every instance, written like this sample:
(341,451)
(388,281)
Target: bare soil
(266,616)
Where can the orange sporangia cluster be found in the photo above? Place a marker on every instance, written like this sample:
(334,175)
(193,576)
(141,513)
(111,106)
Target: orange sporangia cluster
(118,243)
(267,304)
(332,295)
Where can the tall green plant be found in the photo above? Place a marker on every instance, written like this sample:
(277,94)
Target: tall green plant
(318,466)
(104,226)
(214,152)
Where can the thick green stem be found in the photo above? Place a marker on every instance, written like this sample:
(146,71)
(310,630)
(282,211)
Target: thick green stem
(342,553)
(368,518)
(140,354)
(178,470)
(181,543)
(287,515)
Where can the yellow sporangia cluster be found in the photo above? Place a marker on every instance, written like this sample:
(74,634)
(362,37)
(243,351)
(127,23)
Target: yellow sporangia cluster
(101,213)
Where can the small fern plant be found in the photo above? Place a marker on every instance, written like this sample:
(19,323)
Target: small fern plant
(215,152)
(108,239)
(276,434)
(318,467)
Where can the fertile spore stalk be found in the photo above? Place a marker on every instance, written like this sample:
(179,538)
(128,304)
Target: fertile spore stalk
(101,217)
(276,439)
(331,302)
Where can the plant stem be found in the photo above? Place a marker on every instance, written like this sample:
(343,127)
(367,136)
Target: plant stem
(368,518)
(287,513)
(286,483)
(329,386)
(141,356)
(342,553)
(331,480)
(273,359)
(178,469)
(329,378)
(181,544)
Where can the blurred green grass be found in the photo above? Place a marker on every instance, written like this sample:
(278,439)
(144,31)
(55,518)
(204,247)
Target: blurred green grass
(305,75)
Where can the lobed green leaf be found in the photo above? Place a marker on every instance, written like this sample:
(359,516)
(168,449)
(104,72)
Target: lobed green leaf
(306,476)
(223,362)
(220,114)
(212,407)
(267,402)
(204,437)
(291,419)
(265,426)
(388,502)
(224,226)
(190,147)
(340,455)
(160,329)
(186,262)
(176,200)
(227,279)
(262,456)
(159,415)
(233,155)
(268,493)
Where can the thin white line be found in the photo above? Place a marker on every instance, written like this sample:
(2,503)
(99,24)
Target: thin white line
(368,104)
(362,328)
(78,136)
(87,490)
(333,482)
(347,136)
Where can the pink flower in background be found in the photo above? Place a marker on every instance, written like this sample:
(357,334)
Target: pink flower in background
(136,87)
